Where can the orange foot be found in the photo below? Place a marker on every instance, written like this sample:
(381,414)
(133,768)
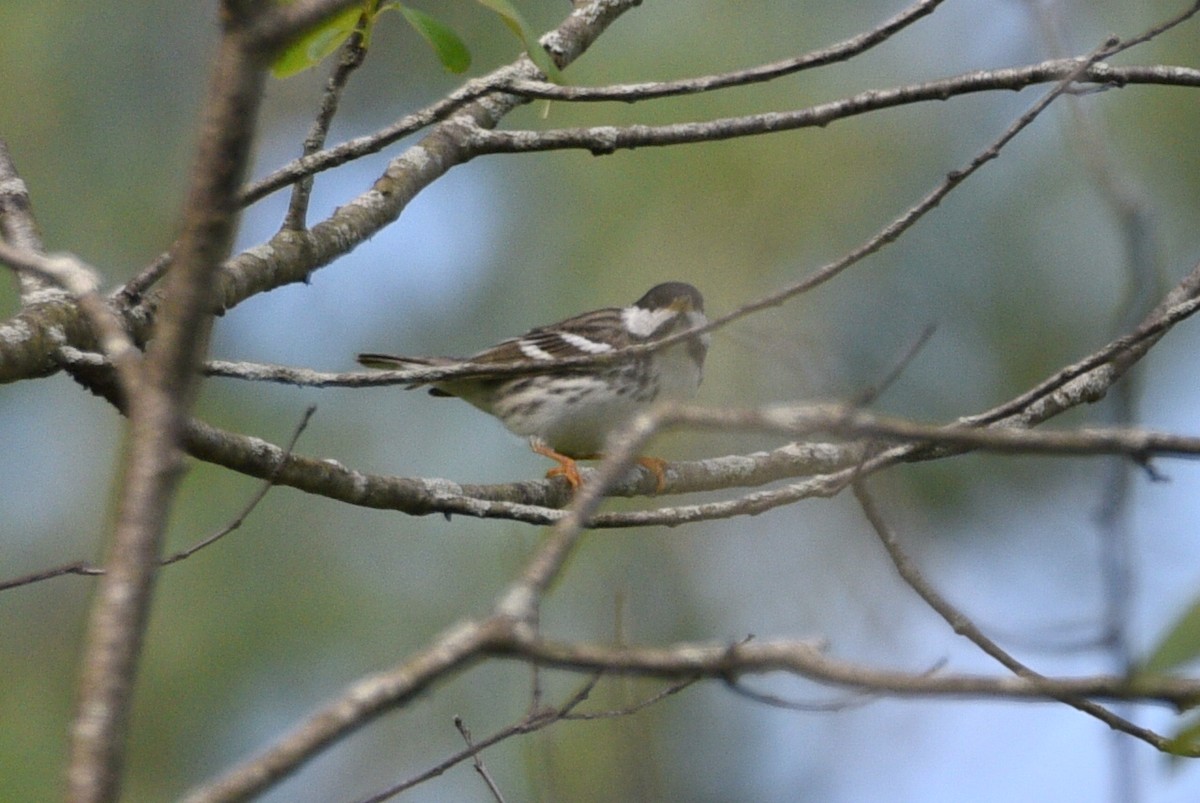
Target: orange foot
(568,469)
(658,467)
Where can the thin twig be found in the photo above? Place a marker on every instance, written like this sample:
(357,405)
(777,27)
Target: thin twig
(1154,31)
(350,58)
(254,500)
(963,626)
(668,691)
(532,722)
(844,421)
(985,80)
(808,660)
(652,90)
(871,394)
(477,761)
(857,700)
(82,568)
(134,290)
(605,140)
(366,145)
(87,569)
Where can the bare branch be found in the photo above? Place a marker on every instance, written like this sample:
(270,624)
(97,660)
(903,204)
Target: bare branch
(250,505)
(356,148)
(870,394)
(87,569)
(478,762)
(962,625)
(775,701)
(806,660)
(604,140)
(449,653)
(18,229)
(363,701)
(652,90)
(512,82)
(157,412)
(1155,31)
(82,568)
(81,282)
(532,722)
(349,59)
(630,93)
(845,421)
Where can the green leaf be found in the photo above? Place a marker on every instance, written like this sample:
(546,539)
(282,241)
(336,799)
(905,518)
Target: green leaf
(516,23)
(312,48)
(450,50)
(1181,644)
(1186,743)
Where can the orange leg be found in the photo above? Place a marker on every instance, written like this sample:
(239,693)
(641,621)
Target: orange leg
(567,468)
(658,467)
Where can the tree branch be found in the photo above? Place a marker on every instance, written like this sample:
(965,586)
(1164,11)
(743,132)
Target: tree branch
(290,258)
(651,90)
(963,626)
(450,653)
(157,413)
(604,140)
(18,229)
(350,57)
(809,661)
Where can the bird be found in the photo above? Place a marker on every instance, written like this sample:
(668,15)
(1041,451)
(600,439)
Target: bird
(567,412)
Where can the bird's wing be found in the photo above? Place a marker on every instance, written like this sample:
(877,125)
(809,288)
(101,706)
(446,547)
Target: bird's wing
(590,333)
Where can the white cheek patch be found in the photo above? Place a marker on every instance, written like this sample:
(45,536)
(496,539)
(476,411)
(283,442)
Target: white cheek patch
(533,351)
(644,322)
(584,344)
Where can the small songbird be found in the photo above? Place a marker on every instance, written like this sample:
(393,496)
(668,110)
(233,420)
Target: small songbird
(567,412)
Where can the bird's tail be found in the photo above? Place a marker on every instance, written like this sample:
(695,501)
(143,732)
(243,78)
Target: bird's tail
(389,362)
